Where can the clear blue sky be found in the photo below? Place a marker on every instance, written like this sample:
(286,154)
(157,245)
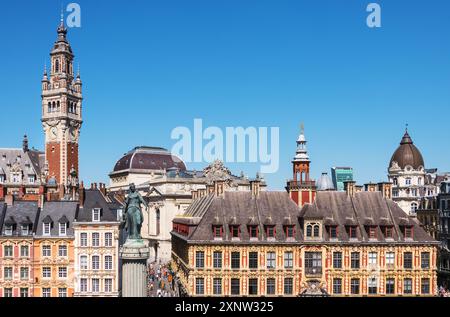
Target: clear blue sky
(160,64)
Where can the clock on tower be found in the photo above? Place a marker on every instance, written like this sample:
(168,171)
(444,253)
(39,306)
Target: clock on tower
(61,110)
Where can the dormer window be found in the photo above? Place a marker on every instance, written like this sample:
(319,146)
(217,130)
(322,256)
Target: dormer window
(372,232)
(2,179)
(333,232)
(388,232)
(8,230)
(408,232)
(289,231)
(270,231)
(352,233)
(235,231)
(312,230)
(46,229)
(62,229)
(25,230)
(16,178)
(96,214)
(217,232)
(253,232)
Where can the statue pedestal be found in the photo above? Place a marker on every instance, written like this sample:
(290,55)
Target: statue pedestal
(134,255)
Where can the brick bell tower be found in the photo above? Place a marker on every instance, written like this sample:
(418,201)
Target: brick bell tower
(301,188)
(61,111)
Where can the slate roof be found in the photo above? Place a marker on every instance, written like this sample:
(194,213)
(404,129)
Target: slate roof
(243,209)
(332,208)
(29,163)
(95,199)
(20,213)
(55,210)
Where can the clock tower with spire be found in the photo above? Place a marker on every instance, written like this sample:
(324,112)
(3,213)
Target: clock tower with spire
(61,111)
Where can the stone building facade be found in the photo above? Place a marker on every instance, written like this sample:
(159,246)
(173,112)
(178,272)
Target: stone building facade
(166,184)
(96,249)
(261,244)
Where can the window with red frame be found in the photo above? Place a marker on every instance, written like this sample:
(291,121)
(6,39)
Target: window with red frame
(253,231)
(289,231)
(235,231)
(333,231)
(408,231)
(352,232)
(388,232)
(270,231)
(218,231)
(372,232)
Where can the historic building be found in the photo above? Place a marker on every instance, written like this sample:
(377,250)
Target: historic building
(97,238)
(262,244)
(163,180)
(22,171)
(53,250)
(61,111)
(412,182)
(302,189)
(18,221)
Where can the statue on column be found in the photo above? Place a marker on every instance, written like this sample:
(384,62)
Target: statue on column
(133,216)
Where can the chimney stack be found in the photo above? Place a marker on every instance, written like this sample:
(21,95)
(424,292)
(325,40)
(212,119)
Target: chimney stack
(255,187)
(201,192)
(210,189)
(103,188)
(9,200)
(349,187)
(219,187)
(370,187)
(385,189)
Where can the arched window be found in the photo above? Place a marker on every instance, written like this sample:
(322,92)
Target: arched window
(49,107)
(309,230)
(58,106)
(74,109)
(53,106)
(316,231)
(408,181)
(413,208)
(57,66)
(395,181)
(419,181)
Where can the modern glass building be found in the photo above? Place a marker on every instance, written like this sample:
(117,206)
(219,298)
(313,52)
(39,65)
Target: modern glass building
(339,175)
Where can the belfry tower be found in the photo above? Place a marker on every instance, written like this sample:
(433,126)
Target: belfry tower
(61,111)
(301,188)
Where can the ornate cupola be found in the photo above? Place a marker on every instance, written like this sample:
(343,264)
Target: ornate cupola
(301,188)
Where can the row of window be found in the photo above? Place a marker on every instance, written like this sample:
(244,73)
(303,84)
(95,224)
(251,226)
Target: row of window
(313,260)
(24,292)
(95,239)
(95,262)
(355,286)
(8,251)
(235,286)
(47,272)
(253,231)
(55,106)
(8,273)
(47,227)
(373,287)
(17,178)
(94,285)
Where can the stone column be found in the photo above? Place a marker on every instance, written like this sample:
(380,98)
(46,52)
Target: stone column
(134,269)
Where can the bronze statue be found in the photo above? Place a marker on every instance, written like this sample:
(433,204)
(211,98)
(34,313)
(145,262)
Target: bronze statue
(133,216)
